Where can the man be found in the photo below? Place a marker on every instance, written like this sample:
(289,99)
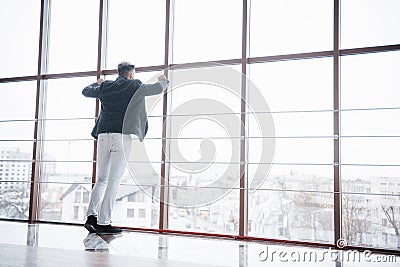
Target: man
(113,140)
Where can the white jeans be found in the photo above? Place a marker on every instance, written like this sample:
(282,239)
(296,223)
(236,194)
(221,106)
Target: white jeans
(110,167)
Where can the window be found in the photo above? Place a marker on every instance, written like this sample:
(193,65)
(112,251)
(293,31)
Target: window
(76,212)
(142,213)
(136,197)
(19,25)
(275,26)
(68,146)
(197,174)
(289,57)
(369,141)
(78,196)
(142,46)
(16,135)
(197,30)
(130,213)
(77,50)
(363,21)
(85,197)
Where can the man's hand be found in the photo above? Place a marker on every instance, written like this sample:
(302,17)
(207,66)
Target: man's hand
(100,81)
(161,77)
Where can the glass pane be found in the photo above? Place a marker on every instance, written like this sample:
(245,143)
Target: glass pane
(66,172)
(369,23)
(204,120)
(219,175)
(196,152)
(219,83)
(370,122)
(16,156)
(15,165)
(65,99)
(69,129)
(136,32)
(372,87)
(135,207)
(144,174)
(190,182)
(370,150)
(16,150)
(296,177)
(64,202)
(374,179)
(370,220)
(201,33)
(68,150)
(286,27)
(208,126)
(154,108)
(370,80)
(139,194)
(58,198)
(221,216)
(294,124)
(155,127)
(73,42)
(291,215)
(17,130)
(295,150)
(293,85)
(147,77)
(15,107)
(23,131)
(61,95)
(147,151)
(17,101)
(19,28)
(203,138)
(14,201)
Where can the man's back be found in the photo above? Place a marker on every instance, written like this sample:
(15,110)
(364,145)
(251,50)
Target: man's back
(114,97)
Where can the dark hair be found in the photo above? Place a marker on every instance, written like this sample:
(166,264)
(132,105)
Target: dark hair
(124,68)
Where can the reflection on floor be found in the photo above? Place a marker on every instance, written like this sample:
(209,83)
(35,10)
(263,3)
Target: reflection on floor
(60,245)
(93,242)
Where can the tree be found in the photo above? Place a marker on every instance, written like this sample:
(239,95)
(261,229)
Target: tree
(354,223)
(14,203)
(390,216)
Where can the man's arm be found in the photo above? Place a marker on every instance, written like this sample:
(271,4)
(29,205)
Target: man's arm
(155,88)
(93,89)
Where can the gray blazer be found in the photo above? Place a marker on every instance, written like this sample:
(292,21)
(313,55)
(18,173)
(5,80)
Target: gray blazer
(135,120)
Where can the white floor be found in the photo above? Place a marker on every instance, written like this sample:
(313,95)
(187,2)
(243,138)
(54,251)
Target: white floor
(59,245)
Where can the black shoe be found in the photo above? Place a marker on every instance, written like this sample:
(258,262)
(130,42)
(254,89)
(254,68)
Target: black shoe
(91,224)
(107,230)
